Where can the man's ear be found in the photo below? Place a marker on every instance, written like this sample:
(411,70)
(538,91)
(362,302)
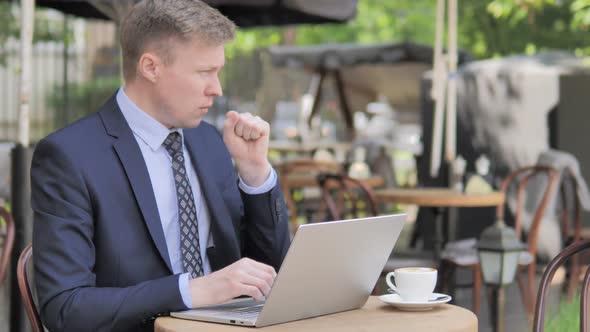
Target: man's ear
(149,66)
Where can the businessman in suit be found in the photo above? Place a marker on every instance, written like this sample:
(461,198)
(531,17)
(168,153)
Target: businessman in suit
(138,210)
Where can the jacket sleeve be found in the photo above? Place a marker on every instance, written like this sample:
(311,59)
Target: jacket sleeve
(64,256)
(266,229)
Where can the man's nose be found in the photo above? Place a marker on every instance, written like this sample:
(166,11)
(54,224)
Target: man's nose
(214,87)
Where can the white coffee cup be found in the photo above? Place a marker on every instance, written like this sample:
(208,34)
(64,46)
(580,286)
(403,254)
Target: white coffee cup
(413,284)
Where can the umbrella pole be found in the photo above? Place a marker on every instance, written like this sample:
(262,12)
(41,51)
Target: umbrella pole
(27,25)
(438,91)
(451,121)
(21,157)
(309,105)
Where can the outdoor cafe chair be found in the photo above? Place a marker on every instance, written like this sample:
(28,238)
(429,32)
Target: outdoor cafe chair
(6,241)
(26,285)
(344,198)
(572,228)
(568,253)
(292,170)
(463,253)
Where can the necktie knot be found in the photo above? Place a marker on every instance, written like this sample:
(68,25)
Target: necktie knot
(173,143)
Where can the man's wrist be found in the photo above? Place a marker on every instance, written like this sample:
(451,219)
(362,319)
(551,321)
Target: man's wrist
(267,186)
(185,291)
(254,174)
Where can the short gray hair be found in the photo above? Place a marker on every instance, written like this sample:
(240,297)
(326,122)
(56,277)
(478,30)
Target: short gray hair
(156,24)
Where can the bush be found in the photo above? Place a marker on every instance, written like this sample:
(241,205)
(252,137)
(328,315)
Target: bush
(566,319)
(82,98)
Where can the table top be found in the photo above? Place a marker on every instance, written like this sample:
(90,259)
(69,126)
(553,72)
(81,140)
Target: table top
(374,316)
(310,180)
(439,197)
(289,146)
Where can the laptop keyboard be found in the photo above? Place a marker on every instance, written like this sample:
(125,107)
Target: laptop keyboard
(248,313)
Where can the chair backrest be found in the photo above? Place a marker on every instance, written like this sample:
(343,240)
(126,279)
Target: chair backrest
(345,197)
(567,253)
(7,242)
(26,285)
(307,166)
(520,180)
(570,214)
(290,173)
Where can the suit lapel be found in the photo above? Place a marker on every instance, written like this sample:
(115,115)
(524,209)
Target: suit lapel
(132,160)
(199,147)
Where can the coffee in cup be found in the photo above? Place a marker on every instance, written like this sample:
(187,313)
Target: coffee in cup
(413,284)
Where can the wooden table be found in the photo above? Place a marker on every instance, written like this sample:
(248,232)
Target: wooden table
(374,316)
(289,146)
(439,199)
(310,180)
(340,149)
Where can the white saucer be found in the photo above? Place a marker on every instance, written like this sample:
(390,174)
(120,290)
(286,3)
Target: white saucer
(396,301)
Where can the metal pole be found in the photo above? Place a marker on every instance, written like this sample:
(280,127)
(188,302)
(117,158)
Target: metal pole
(21,187)
(23,222)
(497,304)
(27,25)
(451,111)
(500,310)
(438,91)
(66,118)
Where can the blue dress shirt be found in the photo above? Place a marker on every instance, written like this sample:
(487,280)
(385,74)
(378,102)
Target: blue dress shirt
(150,134)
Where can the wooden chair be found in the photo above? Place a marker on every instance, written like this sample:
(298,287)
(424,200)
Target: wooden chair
(291,171)
(345,197)
(24,273)
(467,257)
(572,229)
(7,241)
(568,253)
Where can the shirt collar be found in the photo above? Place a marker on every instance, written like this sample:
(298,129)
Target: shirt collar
(149,130)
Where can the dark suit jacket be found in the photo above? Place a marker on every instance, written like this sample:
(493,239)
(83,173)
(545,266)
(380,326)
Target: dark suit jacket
(100,256)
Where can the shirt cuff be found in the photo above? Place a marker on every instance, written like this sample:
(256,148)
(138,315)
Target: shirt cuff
(185,292)
(267,186)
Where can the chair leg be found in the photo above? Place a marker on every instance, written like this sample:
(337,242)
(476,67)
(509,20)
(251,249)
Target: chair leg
(524,290)
(477,281)
(573,278)
(377,289)
(446,270)
(532,291)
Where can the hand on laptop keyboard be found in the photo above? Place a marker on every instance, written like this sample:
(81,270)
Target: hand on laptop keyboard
(244,277)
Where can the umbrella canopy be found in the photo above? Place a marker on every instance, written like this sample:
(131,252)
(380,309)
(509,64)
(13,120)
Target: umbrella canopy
(336,56)
(362,72)
(245,13)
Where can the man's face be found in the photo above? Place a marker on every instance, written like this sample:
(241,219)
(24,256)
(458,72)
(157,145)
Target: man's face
(185,88)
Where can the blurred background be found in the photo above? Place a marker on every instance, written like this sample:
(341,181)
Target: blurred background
(352,85)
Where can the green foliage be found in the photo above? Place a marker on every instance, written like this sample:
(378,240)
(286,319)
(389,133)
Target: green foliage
(567,317)
(8,27)
(502,27)
(46,27)
(487,28)
(581,18)
(82,98)
(376,21)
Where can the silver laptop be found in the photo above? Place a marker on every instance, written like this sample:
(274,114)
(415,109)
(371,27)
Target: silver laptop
(330,267)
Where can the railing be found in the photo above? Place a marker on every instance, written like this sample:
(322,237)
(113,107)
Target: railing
(48,74)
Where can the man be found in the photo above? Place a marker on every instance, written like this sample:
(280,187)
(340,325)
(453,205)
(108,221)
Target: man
(138,209)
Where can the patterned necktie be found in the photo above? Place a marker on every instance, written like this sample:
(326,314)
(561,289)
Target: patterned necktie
(187,215)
